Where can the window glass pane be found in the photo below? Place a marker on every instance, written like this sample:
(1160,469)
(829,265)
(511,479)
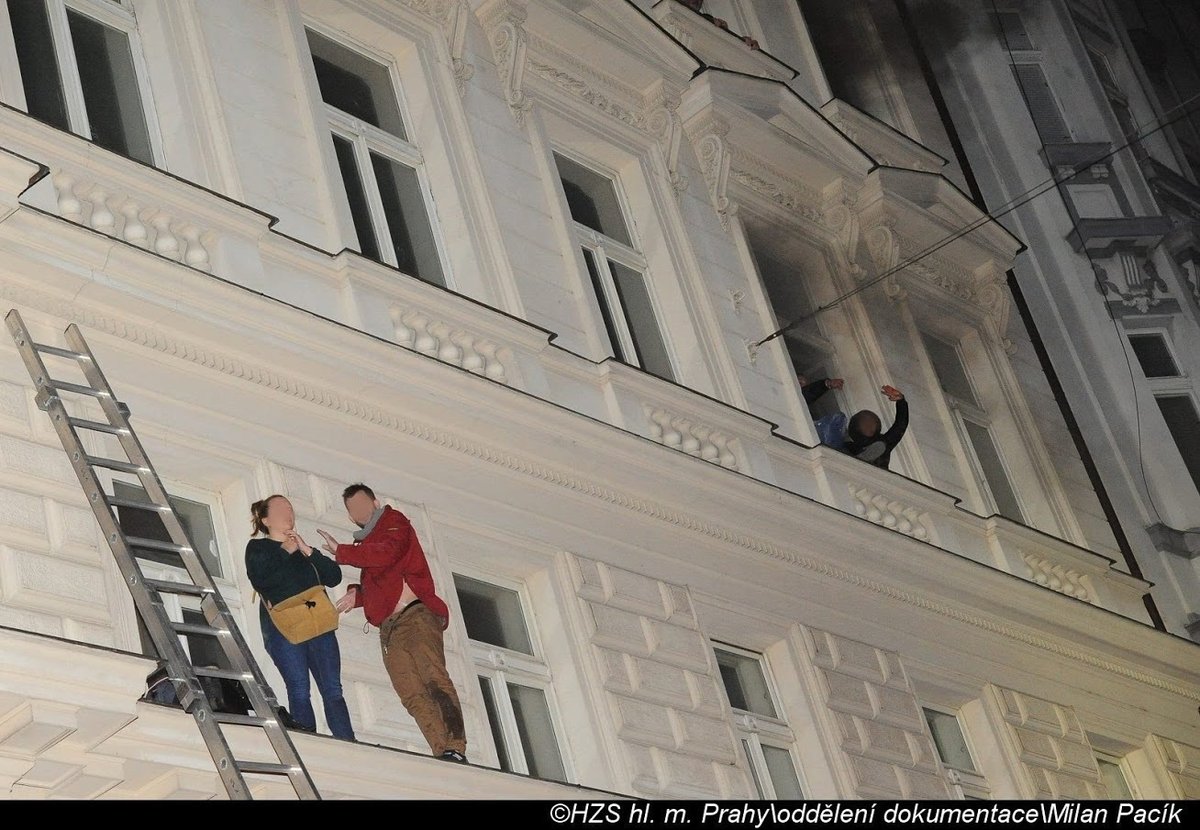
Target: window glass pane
(948,367)
(758,786)
(407,220)
(489,704)
(610,327)
(355,84)
(643,325)
(949,740)
(532,713)
(592,199)
(195,517)
(110,88)
(492,614)
(39,68)
(1114,780)
(1180,415)
(993,471)
(745,683)
(1154,356)
(783,773)
(360,212)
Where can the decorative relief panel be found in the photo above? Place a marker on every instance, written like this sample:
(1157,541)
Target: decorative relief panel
(1050,746)
(659,678)
(879,723)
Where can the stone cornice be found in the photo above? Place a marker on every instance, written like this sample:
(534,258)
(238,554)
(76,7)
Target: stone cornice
(311,392)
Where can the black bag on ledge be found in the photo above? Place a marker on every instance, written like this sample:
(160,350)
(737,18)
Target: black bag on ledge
(226,696)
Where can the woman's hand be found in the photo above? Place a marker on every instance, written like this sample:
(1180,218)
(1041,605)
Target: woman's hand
(305,548)
(289,542)
(893,394)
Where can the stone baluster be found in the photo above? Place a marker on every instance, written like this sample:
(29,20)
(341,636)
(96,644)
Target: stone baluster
(102,217)
(165,242)
(493,367)
(194,254)
(69,206)
(133,230)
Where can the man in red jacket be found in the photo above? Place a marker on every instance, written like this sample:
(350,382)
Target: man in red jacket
(397,594)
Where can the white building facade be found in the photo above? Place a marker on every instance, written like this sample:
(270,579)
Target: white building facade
(1092,104)
(314,242)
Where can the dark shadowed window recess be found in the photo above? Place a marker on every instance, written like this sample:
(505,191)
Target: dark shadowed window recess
(1154,356)
(44,98)
(381,172)
(110,88)
(79,74)
(616,269)
(1179,411)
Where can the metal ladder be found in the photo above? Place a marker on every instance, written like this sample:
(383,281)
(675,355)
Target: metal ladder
(147,593)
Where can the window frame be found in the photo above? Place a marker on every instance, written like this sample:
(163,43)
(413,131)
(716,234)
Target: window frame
(963,411)
(501,666)
(966,783)
(605,247)
(114,14)
(364,140)
(1119,762)
(753,731)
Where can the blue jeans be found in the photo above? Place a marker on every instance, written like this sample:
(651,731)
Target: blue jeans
(323,659)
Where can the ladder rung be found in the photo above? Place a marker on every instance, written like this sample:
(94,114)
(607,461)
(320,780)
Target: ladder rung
(98,426)
(266,768)
(167,587)
(224,674)
(242,720)
(196,628)
(79,389)
(136,505)
(154,544)
(119,466)
(59,352)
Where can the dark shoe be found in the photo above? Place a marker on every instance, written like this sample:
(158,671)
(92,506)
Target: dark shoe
(453,755)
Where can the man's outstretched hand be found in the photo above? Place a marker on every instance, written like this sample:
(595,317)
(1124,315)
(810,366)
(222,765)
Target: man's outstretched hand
(346,603)
(331,544)
(893,394)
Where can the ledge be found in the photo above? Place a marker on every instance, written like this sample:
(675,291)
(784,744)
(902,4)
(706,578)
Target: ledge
(1102,236)
(887,145)
(717,46)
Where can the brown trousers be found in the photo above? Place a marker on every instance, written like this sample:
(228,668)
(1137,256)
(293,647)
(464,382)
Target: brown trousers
(415,660)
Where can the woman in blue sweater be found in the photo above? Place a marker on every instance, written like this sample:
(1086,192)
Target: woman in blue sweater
(280,564)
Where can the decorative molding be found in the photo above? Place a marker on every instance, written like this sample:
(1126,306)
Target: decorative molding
(589,93)
(416,330)
(457,40)
(1059,578)
(713,150)
(304,390)
(839,216)
(506,22)
(890,513)
(884,244)
(129,218)
(439,10)
(788,193)
(684,434)
(664,122)
(1142,288)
